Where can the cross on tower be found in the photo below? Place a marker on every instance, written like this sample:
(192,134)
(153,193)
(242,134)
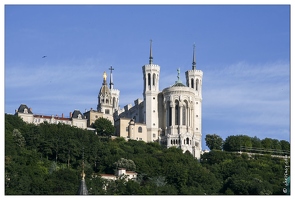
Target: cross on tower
(111,77)
(111,68)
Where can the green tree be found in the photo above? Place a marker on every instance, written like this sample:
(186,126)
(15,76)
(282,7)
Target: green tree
(214,141)
(267,143)
(18,138)
(232,143)
(104,127)
(285,145)
(125,163)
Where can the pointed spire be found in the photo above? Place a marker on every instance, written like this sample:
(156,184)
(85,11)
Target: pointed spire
(194,58)
(151,56)
(111,77)
(83,188)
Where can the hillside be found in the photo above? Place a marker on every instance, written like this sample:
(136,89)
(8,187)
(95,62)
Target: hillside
(47,160)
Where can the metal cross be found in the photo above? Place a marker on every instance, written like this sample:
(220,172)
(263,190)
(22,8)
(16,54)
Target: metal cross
(111,68)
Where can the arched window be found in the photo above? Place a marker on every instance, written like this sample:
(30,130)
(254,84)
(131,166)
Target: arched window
(140,129)
(169,114)
(114,102)
(176,112)
(154,79)
(149,79)
(107,101)
(197,84)
(192,83)
(187,141)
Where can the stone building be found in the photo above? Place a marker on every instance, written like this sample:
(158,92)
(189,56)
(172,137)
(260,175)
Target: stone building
(173,116)
(75,118)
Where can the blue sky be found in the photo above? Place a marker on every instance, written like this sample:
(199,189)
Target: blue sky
(243,51)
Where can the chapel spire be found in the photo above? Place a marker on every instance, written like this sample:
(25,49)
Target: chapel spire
(83,188)
(194,58)
(151,56)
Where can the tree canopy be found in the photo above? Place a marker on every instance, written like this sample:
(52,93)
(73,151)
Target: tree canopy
(47,160)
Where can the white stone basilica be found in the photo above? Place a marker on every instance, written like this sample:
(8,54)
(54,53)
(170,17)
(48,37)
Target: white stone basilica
(172,116)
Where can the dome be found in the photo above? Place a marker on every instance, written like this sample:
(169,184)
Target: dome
(178,84)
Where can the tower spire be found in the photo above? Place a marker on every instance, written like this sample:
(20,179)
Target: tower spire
(151,56)
(194,58)
(111,77)
(83,188)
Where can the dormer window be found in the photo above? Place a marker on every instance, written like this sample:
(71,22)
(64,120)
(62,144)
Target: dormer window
(26,110)
(79,116)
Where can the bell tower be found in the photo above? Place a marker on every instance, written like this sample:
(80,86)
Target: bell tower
(151,77)
(194,81)
(105,98)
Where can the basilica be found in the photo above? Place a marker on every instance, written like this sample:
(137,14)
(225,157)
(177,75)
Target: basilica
(172,117)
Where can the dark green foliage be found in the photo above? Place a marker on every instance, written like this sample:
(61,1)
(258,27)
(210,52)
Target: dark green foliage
(103,127)
(47,160)
(214,141)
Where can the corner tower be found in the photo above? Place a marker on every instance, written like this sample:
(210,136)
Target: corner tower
(194,81)
(151,77)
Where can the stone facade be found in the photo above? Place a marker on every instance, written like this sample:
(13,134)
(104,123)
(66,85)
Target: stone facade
(173,116)
(76,118)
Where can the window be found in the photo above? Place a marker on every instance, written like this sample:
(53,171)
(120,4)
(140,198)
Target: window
(169,113)
(149,79)
(176,113)
(127,129)
(140,129)
(107,111)
(154,135)
(79,116)
(183,115)
(25,110)
(154,79)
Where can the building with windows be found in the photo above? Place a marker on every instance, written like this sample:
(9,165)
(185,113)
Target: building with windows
(173,116)
(75,118)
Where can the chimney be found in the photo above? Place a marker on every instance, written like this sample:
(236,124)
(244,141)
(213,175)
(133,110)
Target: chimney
(70,114)
(62,115)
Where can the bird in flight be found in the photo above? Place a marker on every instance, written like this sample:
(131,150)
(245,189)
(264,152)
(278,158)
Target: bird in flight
(44,56)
